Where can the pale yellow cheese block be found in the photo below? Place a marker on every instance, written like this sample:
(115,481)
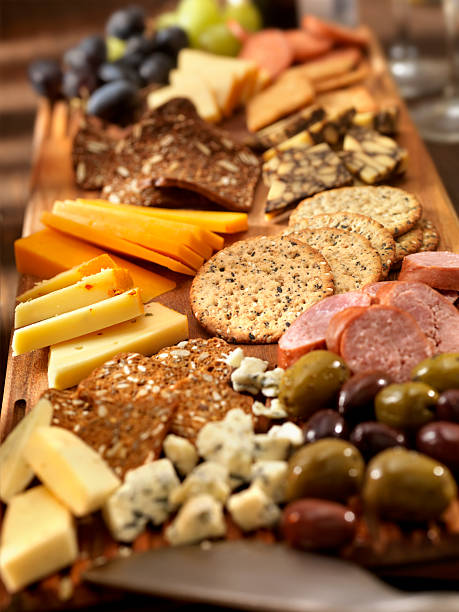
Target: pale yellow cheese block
(71,361)
(68,277)
(223,84)
(90,290)
(38,538)
(203,99)
(15,472)
(74,472)
(82,321)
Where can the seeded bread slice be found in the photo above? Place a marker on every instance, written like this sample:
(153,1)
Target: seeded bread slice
(408,243)
(353,261)
(251,291)
(378,236)
(396,209)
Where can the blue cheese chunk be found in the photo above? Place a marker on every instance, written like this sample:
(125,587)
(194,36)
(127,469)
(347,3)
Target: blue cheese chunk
(143,497)
(270,382)
(275,409)
(252,509)
(269,448)
(271,477)
(200,518)
(181,452)
(288,431)
(234,359)
(248,376)
(208,477)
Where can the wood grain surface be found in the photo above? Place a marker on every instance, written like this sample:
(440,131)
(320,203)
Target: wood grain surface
(52,179)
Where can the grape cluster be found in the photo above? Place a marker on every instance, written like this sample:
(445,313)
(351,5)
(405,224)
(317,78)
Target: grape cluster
(109,70)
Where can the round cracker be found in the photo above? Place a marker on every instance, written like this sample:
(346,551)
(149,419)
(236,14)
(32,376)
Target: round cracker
(377,235)
(408,243)
(396,209)
(430,235)
(252,290)
(353,261)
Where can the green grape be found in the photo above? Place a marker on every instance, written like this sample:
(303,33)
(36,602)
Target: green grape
(245,13)
(115,48)
(166,20)
(195,16)
(219,39)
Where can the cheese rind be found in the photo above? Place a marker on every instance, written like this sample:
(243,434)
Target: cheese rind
(71,361)
(69,277)
(48,252)
(15,472)
(71,469)
(82,321)
(90,290)
(38,538)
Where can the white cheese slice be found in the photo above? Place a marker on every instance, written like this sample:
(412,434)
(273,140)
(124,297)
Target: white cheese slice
(15,472)
(38,538)
(71,469)
(203,99)
(71,361)
(252,509)
(181,452)
(200,518)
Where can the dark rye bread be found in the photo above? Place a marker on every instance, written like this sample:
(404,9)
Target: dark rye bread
(93,154)
(173,147)
(126,434)
(252,290)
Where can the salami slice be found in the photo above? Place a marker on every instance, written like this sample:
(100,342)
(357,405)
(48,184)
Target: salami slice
(439,269)
(338,33)
(386,339)
(269,49)
(306,46)
(307,332)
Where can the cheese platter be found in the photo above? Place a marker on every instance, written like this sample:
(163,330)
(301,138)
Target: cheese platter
(65,209)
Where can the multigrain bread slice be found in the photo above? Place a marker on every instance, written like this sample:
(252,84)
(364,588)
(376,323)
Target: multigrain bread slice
(378,236)
(408,243)
(396,209)
(251,291)
(353,261)
(125,434)
(202,398)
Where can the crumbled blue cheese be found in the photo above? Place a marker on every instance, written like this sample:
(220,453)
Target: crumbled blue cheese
(143,497)
(248,376)
(200,518)
(275,410)
(229,443)
(208,477)
(234,359)
(252,509)
(288,431)
(268,448)
(270,382)
(271,477)
(181,452)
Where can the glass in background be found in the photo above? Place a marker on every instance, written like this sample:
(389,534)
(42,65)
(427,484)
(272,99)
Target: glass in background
(415,75)
(438,119)
(342,11)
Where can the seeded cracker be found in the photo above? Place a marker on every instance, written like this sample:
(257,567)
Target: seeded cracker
(430,235)
(251,291)
(396,209)
(174,147)
(126,434)
(353,261)
(298,173)
(377,235)
(408,243)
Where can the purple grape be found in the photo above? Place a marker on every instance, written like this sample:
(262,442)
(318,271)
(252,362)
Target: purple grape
(156,68)
(172,40)
(111,99)
(79,83)
(126,22)
(46,77)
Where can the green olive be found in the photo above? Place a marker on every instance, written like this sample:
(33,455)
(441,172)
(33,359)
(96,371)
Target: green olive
(327,469)
(312,383)
(441,371)
(406,405)
(403,485)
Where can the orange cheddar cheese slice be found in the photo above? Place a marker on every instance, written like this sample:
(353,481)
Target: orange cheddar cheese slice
(144,234)
(47,253)
(110,242)
(212,220)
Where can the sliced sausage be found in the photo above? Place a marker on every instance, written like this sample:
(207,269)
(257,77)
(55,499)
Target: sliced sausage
(338,33)
(386,339)
(372,288)
(338,324)
(269,49)
(307,332)
(439,269)
(451,295)
(435,315)
(306,46)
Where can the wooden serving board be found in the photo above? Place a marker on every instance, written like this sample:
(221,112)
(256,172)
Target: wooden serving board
(26,375)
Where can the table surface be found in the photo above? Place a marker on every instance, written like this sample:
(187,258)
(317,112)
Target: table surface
(51,27)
